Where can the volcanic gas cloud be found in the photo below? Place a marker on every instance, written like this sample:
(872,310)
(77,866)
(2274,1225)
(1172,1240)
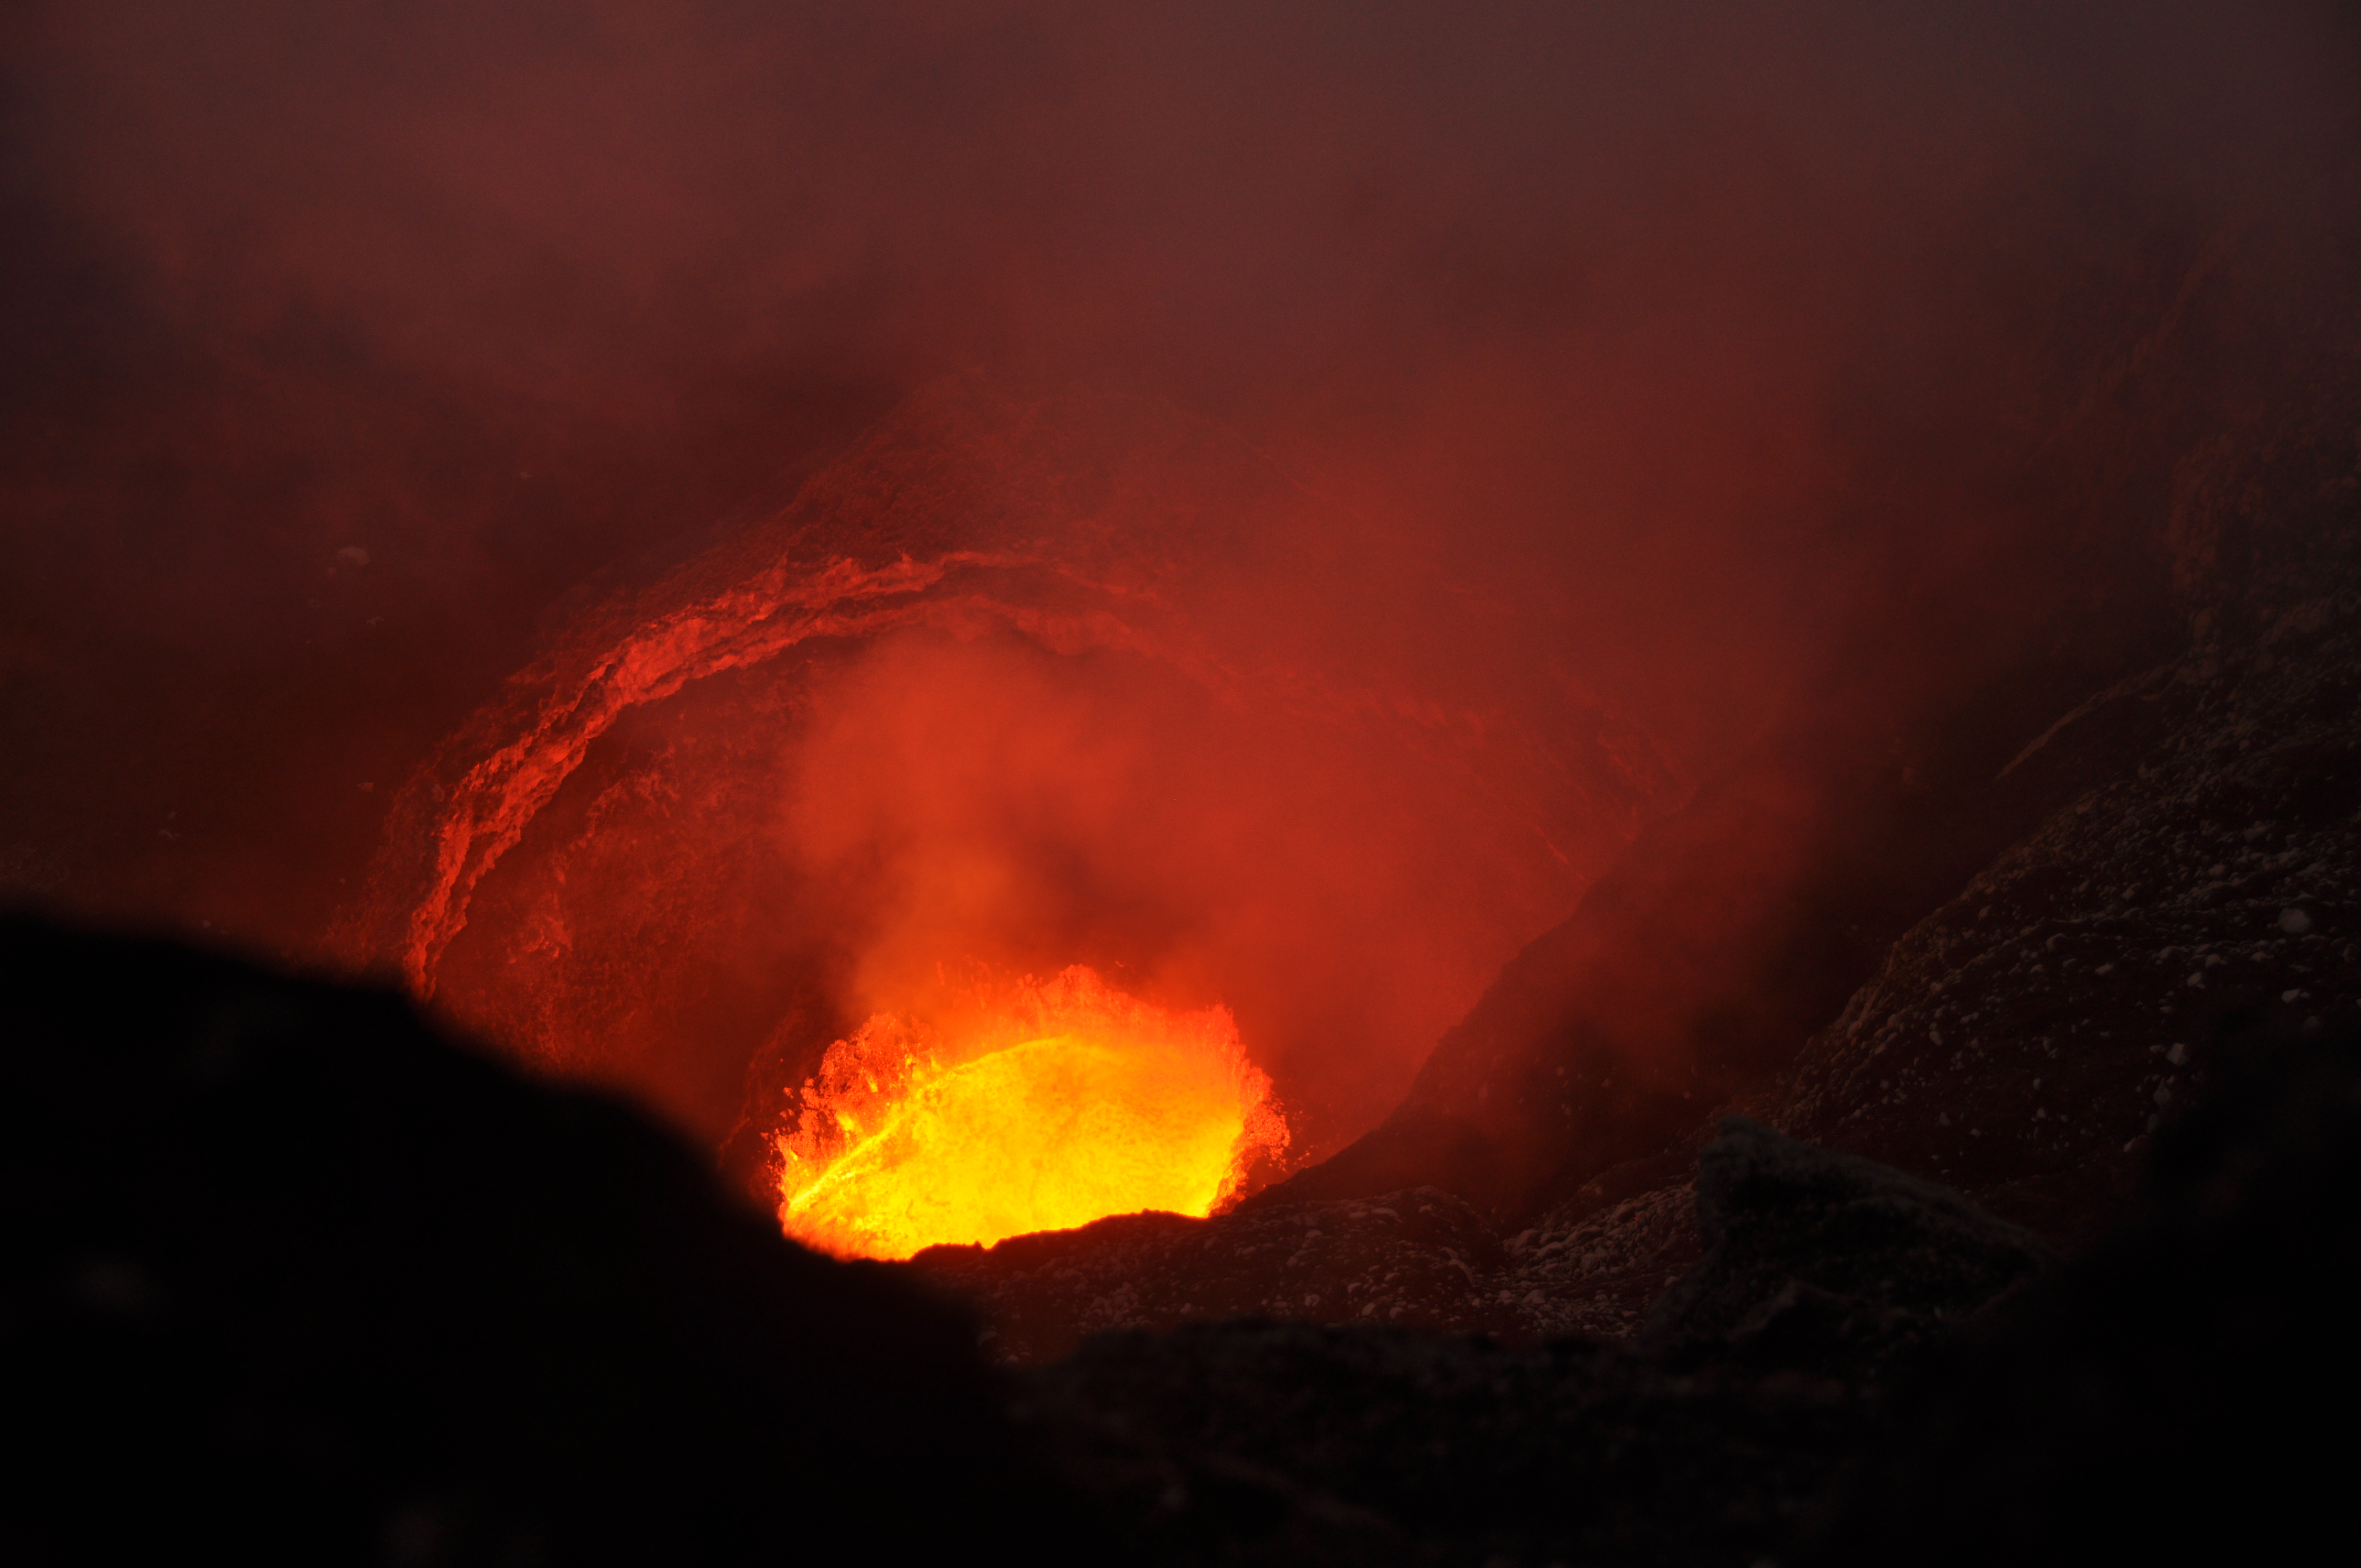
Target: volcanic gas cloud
(998,696)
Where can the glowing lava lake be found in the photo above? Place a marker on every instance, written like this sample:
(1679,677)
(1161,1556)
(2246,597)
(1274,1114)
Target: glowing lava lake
(1043,1106)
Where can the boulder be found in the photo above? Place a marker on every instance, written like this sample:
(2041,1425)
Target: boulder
(1824,1260)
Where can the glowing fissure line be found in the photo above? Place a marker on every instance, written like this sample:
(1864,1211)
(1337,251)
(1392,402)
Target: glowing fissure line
(496,799)
(843,1168)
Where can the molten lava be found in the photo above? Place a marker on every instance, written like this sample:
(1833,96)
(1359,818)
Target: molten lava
(1039,1107)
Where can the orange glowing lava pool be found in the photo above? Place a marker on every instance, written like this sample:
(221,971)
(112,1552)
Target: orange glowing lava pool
(1041,1106)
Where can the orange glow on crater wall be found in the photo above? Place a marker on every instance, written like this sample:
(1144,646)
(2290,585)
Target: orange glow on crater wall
(1039,1107)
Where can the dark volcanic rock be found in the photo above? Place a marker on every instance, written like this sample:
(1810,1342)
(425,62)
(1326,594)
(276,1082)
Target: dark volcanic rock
(2021,1040)
(1822,1259)
(1264,1443)
(1417,1260)
(2172,1390)
(2178,1393)
(289,1279)
(1592,1267)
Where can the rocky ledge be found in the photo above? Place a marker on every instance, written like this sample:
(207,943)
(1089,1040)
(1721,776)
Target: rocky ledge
(292,1278)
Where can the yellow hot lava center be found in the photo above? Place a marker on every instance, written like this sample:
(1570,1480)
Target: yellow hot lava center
(1074,1104)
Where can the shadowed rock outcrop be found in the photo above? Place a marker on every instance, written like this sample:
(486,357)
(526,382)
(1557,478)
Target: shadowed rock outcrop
(1827,1261)
(2173,1394)
(301,1282)
(1419,1259)
(1261,1442)
(2160,1395)
(289,1279)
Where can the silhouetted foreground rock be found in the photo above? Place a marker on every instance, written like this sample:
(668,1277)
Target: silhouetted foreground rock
(289,1279)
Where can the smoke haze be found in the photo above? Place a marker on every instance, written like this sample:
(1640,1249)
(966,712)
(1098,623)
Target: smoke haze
(1664,366)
